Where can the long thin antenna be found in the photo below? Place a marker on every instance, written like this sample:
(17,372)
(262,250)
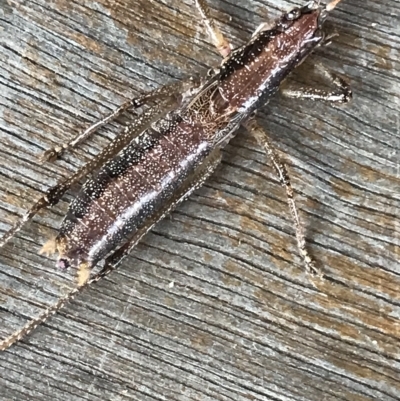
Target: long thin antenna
(51,310)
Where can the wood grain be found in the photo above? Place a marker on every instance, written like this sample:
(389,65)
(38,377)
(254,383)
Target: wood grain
(214,303)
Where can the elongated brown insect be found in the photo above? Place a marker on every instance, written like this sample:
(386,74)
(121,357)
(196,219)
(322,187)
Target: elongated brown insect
(174,146)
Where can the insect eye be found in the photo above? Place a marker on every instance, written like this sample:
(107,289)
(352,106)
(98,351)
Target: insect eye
(293,14)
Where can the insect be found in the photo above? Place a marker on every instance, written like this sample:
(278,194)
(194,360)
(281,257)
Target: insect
(160,158)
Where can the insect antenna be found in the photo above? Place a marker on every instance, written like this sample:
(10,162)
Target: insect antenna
(51,310)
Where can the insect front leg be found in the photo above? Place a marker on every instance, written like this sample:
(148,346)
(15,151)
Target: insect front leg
(342,93)
(217,37)
(193,182)
(55,193)
(156,95)
(262,139)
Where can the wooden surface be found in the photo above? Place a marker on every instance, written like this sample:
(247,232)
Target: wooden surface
(214,303)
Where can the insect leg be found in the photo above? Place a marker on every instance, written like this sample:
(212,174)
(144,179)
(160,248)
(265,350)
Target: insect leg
(192,183)
(220,42)
(54,194)
(262,139)
(342,93)
(156,95)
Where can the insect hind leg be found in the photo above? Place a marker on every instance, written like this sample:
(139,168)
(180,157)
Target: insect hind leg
(156,95)
(262,139)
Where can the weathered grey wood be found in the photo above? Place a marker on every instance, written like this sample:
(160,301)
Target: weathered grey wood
(214,304)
